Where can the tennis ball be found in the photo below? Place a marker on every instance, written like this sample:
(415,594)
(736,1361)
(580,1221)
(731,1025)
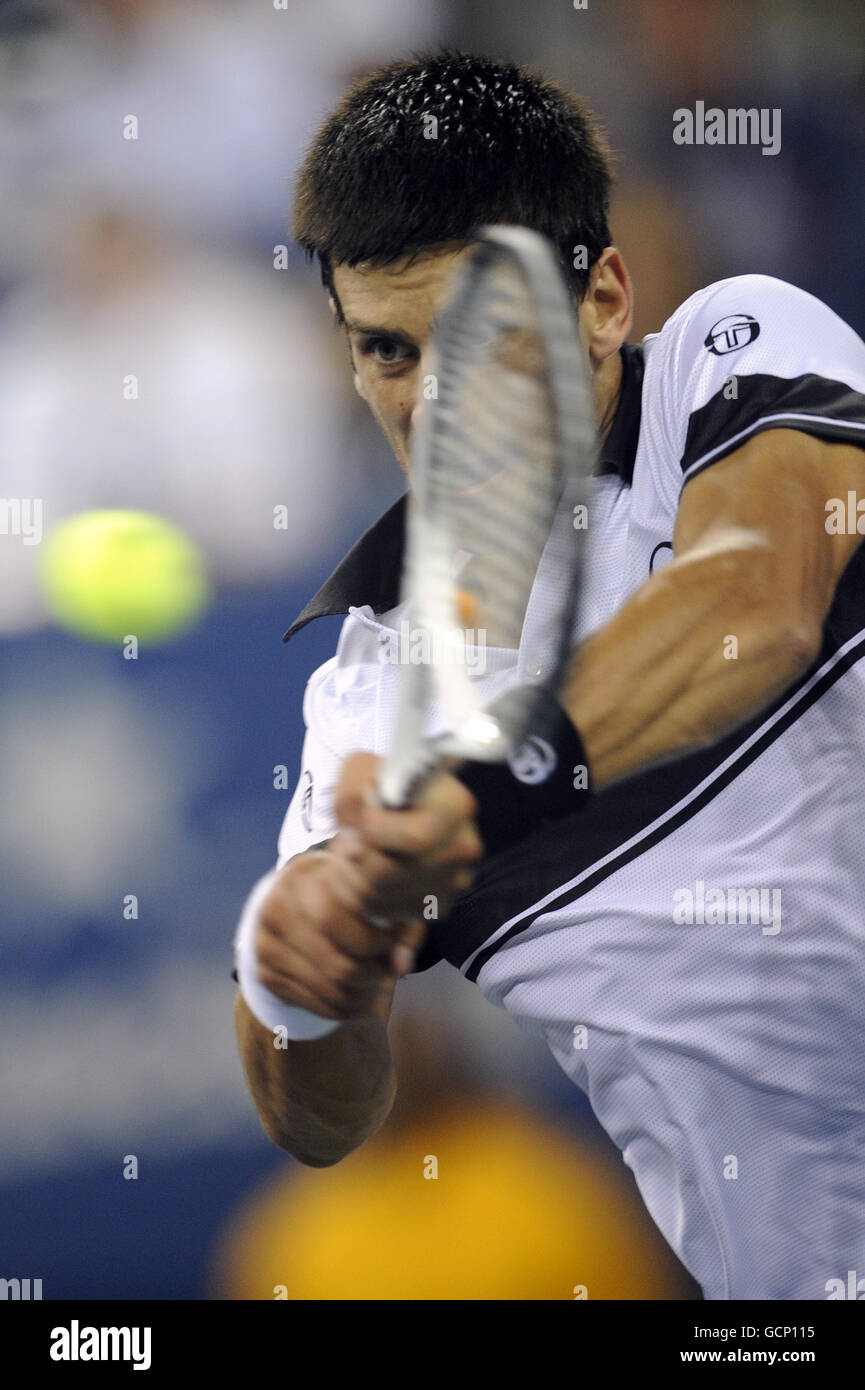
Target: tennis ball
(108,575)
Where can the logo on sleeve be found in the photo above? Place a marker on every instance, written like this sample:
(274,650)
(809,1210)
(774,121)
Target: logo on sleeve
(306,803)
(731,333)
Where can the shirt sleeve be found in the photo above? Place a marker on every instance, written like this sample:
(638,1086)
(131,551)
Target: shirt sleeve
(750,354)
(310,820)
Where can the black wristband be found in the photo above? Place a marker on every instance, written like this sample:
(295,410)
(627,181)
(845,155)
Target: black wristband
(546,779)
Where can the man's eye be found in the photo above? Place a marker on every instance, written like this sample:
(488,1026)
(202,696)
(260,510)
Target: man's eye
(387,351)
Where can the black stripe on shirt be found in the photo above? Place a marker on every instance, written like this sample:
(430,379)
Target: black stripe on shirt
(669,826)
(559,851)
(718,424)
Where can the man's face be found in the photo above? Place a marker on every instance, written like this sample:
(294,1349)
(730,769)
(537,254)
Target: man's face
(390,314)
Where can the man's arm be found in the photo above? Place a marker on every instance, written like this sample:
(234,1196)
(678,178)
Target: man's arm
(316,950)
(319,1100)
(753,561)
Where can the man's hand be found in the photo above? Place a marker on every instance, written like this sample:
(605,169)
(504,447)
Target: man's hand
(316,946)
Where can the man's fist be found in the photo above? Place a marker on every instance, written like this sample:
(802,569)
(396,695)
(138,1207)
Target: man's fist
(316,944)
(406,856)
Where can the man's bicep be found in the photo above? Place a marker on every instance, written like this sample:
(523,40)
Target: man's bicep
(772,502)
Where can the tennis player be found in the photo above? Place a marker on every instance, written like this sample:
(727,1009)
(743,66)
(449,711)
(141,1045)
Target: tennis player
(689,940)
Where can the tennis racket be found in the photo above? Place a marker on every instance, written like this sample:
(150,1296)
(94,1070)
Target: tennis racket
(500,463)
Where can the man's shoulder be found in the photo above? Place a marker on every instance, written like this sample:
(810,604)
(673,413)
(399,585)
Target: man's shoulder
(743,296)
(746,354)
(732,313)
(758,333)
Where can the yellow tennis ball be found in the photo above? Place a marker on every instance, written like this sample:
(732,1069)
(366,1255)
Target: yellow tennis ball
(109,575)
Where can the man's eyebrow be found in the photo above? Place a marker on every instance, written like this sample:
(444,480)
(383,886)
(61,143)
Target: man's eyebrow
(376,331)
(380,331)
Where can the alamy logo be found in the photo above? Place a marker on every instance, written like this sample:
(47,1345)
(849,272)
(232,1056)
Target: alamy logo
(715,907)
(21,516)
(736,126)
(845,519)
(20,1289)
(853,1289)
(534,762)
(731,333)
(421,646)
(76,1343)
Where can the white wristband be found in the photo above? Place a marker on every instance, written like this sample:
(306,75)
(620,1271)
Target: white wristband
(298,1024)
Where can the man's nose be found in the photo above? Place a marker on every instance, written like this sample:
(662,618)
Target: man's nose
(425,386)
(417,413)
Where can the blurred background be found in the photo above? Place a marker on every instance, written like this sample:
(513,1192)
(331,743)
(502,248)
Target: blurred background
(163,348)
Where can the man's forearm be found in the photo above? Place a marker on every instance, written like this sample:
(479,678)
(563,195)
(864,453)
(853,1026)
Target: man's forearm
(663,677)
(318,1100)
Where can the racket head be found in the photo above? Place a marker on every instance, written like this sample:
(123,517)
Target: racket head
(502,457)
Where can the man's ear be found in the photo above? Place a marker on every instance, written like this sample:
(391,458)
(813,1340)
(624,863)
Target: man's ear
(332,303)
(607,309)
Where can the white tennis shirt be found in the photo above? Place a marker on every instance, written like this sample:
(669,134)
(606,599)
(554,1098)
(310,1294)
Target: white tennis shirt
(691,946)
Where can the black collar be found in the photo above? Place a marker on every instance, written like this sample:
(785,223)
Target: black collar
(620,450)
(371,572)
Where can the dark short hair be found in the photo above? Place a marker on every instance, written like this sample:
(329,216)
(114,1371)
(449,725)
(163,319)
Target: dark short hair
(510,146)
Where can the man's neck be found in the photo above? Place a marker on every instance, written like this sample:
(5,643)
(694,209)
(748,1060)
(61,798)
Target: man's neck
(607,383)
